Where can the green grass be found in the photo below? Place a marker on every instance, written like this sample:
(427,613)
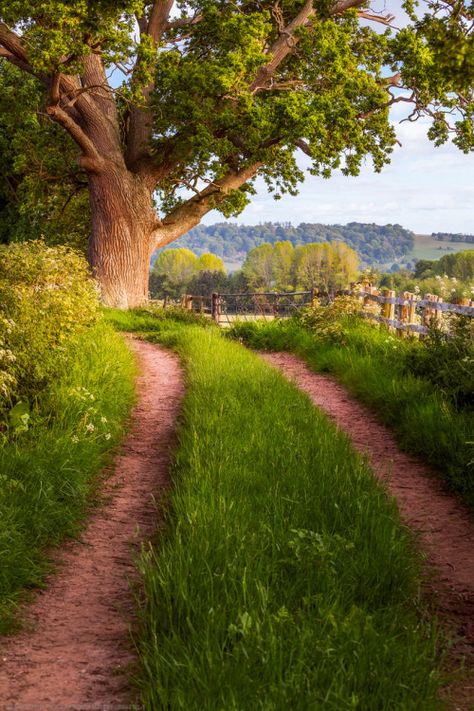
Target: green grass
(427,247)
(284,579)
(375,366)
(155,318)
(47,474)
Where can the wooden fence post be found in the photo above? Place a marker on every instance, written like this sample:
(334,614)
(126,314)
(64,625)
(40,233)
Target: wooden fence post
(429,313)
(388,310)
(216,307)
(406,313)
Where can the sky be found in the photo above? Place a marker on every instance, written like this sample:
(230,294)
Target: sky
(425,189)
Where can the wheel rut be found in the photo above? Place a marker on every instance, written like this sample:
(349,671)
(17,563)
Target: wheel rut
(77,650)
(445,529)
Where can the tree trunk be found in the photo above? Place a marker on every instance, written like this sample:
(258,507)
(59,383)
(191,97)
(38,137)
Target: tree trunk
(121,242)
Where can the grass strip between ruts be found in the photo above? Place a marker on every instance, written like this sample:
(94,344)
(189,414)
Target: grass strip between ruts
(284,579)
(371,365)
(48,473)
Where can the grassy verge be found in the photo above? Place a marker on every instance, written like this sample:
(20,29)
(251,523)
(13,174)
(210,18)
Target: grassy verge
(375,367)
(46,473)
(284,579)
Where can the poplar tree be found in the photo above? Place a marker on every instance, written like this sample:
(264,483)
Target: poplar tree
(177,107)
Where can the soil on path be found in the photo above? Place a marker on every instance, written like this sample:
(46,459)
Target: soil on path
(444,527)
(77,653)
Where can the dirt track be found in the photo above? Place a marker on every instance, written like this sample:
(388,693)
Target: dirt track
(445,528)
(77,653)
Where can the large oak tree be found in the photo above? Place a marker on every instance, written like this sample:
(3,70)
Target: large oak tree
(177,107)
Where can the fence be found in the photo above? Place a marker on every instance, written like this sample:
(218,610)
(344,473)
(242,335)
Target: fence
(227,308)
(408,312)
(405,312)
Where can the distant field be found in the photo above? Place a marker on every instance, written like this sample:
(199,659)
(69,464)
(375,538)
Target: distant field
(427,247)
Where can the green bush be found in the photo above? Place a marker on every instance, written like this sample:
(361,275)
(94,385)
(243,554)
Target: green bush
(325,321)
(49,470)
(47,298)
(447,360)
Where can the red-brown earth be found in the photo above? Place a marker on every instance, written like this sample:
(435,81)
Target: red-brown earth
(445,528)
(78,648)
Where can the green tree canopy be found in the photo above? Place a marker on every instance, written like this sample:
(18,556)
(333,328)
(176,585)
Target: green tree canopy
(281,267)
(258,267)
(208,262)
(217,93)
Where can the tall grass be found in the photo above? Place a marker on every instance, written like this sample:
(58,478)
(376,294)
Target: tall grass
(47,473)
(284,579)
(376,368)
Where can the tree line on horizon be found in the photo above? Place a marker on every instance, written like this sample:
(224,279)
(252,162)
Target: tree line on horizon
(376,244)
(276,267)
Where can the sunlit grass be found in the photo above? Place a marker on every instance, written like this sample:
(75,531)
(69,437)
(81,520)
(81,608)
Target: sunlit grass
(47,473)
(284,579)
(375,368)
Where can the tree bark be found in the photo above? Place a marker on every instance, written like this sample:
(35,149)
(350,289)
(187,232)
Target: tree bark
(121,242)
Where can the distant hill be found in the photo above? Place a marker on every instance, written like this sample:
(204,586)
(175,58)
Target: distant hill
(452,237)
(376,244)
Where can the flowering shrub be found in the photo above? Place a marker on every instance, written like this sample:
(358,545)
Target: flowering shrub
(446,358)
(47,298)
(325,321)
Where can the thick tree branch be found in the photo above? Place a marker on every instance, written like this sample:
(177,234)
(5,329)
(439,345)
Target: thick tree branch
(183,22)
(95,80)
(288,40)
(140,119)
(13,50)
(382,19)
(282,47)
(184,217)
(304,146)
(91,159)
(159,19)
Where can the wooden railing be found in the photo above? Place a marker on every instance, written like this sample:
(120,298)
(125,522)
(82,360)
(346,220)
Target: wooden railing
(404,312)
(408,312)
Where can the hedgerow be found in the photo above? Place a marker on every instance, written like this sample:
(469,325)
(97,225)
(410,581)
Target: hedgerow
(47,298)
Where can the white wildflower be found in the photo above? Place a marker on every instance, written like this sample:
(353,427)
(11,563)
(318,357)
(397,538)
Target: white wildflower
(90,427)
(103,420)
(75,439)
(108,435)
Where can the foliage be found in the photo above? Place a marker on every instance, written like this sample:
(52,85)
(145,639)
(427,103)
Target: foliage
(208,262)
(270,589)
(206,282)
(447,360)
(325,321)
(236,88)
(395,378)
(48,471)
(175,269)
(327,266)
(374,243)
(450,237)
(259,268)
(459,265)
(172,271)
(280,267)
(47,299)
(42,192)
